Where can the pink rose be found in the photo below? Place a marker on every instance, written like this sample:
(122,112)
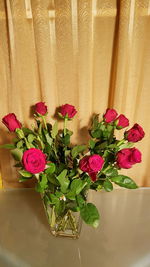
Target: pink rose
(122,121)
(128,157)
(135,134)
(41,108)
(34,160)
(11,122)
(68,110)
(110,115)
(91,165)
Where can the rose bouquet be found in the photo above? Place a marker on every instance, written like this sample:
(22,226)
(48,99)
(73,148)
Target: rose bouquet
(66,172)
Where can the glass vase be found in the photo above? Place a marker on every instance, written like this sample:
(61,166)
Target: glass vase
(66,225)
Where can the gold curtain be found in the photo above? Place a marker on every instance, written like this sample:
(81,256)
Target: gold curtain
(93,54)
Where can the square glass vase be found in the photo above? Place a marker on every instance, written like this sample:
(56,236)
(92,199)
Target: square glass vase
(67,225)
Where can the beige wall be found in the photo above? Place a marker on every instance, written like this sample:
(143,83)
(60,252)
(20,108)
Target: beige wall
(92,54)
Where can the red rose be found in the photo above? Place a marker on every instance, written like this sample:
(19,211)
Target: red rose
(128,157)
(11,122)
(110,115)
(34,160)
(122,121)
(135,134)
(68,110)
(91,165)
(41,108)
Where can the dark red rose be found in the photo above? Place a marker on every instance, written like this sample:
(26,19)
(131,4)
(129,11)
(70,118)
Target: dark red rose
(11,122)
(68,110)
(127,157)
(41,108)
(91,165)
(122,121)
(34,160)
(110,115)
(135,134)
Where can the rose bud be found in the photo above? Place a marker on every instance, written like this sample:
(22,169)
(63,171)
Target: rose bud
(34,160)
(68,111)
(91,165)
(128,157)
(135,134)
(122,122)
(11,122)
(110,115)
(41,108)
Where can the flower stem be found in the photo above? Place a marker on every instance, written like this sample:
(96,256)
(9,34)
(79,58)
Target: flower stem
(121,142)
(44,120)
(65,125)
(27,143)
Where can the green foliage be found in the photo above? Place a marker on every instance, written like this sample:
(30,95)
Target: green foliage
(17,154)
(42,184)
(124,181)
(51,168)
(76,187)
(92,143)
(8,146)
(48,138)
(63,180)
(20,144)
(77,150)
(90,215)
(23,179)
(31,138)
(25,173)
(108,186)
(54,131)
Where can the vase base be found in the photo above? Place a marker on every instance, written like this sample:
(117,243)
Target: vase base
(62,234)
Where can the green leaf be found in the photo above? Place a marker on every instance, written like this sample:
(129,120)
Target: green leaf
(8,146)
(69,132)
(78,149)
(108,186)
(27,131)
(51,178)
(38,188)
(111,172)
(54,199)
(25,173)
(43,182)
(63,180)
(76,187)
(23,179)
(90,215)
(48,138)
(80,200)
(54,131)
(127,145)
(66,140)
(20,133)
(17,154)
(110,128)
(31,138)
(102,145)
(91,143)
(51,168)
(20,144)
(124,181)
(95,121)
(96,133)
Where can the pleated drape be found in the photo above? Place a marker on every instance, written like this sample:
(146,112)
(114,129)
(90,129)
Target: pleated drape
(93,54)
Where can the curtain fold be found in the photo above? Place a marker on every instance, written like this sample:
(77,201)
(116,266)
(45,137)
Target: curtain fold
(93,54)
